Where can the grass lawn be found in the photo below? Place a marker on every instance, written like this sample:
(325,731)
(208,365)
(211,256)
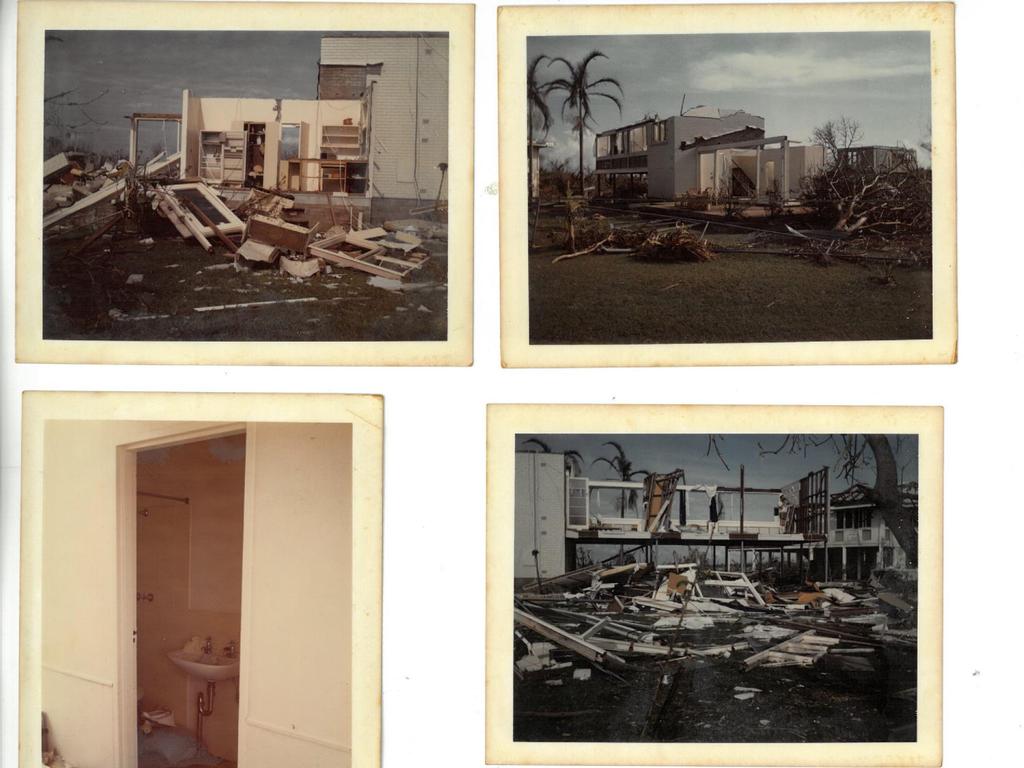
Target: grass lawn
(616,299)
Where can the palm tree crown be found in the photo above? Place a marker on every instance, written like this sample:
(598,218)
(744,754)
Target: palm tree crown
(623,467)
(580,90)
(536,105)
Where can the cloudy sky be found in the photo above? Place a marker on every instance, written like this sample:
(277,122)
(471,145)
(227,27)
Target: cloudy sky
(795,81)
(146,72)
(664,453)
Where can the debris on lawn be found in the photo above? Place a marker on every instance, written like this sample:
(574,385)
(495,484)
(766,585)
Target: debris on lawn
(94,208)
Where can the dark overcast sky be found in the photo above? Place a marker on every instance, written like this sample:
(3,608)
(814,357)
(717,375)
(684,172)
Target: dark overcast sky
(795,81)
(664,453)
(146,72)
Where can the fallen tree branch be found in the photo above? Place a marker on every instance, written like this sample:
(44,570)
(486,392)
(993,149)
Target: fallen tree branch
(584,252)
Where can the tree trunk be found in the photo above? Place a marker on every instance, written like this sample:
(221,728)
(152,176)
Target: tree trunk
(583,193)
(887,497)
(529,161)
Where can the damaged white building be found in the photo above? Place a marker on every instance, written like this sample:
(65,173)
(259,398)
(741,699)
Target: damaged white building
(706,151)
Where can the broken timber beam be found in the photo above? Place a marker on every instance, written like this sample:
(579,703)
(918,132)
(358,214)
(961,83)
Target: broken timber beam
(209,223)
(574,643)
(97,235)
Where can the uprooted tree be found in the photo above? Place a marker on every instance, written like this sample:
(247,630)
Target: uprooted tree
(861,195)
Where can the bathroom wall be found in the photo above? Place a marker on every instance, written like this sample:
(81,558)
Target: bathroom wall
(297,591)
(190,559)
(78,602)
(297,636)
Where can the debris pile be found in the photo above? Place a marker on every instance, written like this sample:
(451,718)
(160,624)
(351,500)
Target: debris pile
(646,242)
(69,177)
(264,228)
(615,619)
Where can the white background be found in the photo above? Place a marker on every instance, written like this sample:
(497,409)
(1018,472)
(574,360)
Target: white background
(434,446)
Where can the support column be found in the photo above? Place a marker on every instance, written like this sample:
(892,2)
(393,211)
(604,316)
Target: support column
(570,555)
(801,556)
(844,563)
(785,169)
(757,182)
(743,558)
(743,496)
(133,141)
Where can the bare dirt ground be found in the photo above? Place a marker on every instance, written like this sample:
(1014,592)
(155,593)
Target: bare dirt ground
(818,704)
(95,296)
(737,297)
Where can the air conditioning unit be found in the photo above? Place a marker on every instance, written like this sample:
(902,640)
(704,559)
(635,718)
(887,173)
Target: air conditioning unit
(577,503)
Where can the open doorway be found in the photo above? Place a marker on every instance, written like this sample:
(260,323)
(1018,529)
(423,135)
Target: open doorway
(255,153)
(188,560)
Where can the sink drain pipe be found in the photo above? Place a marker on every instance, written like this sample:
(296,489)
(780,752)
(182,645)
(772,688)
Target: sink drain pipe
(204,708)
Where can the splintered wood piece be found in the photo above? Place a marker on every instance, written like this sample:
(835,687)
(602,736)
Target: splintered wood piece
(97,235)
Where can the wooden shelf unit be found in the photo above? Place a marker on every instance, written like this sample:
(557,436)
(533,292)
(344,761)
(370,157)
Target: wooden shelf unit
(233,158)
(340,141)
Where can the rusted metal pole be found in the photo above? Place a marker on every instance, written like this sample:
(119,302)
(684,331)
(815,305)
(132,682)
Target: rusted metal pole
(743,495)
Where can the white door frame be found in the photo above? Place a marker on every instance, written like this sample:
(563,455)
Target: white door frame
(126,684)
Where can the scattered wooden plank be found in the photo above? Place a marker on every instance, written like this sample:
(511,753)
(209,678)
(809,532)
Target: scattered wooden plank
(244,305)
(584,648)
(343,259)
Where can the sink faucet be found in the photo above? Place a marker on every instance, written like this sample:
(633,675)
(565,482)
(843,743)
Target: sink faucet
(231,649)
(208,645)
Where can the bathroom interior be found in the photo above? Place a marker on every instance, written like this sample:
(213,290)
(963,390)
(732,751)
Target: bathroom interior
(189,522)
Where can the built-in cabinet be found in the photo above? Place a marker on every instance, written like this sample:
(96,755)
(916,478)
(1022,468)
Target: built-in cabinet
(339,141)
(222,157)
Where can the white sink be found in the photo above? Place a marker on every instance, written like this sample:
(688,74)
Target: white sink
(205,666)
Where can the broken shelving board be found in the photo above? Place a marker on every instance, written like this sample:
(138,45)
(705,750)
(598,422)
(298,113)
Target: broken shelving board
(359,251)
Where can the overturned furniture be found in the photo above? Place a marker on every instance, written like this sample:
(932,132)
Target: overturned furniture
(372,250)
(267,239)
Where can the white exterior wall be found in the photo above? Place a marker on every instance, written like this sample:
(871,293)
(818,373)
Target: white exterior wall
(540,514)
(804,160)
(409,110)
(661,165)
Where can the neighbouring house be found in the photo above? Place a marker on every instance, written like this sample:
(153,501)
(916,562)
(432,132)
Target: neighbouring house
(377,135)
(706,151)
(858,537)
(878,158)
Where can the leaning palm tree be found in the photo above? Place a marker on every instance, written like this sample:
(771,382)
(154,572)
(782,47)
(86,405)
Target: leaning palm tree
(623,467)
(536,106)
(579,91)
